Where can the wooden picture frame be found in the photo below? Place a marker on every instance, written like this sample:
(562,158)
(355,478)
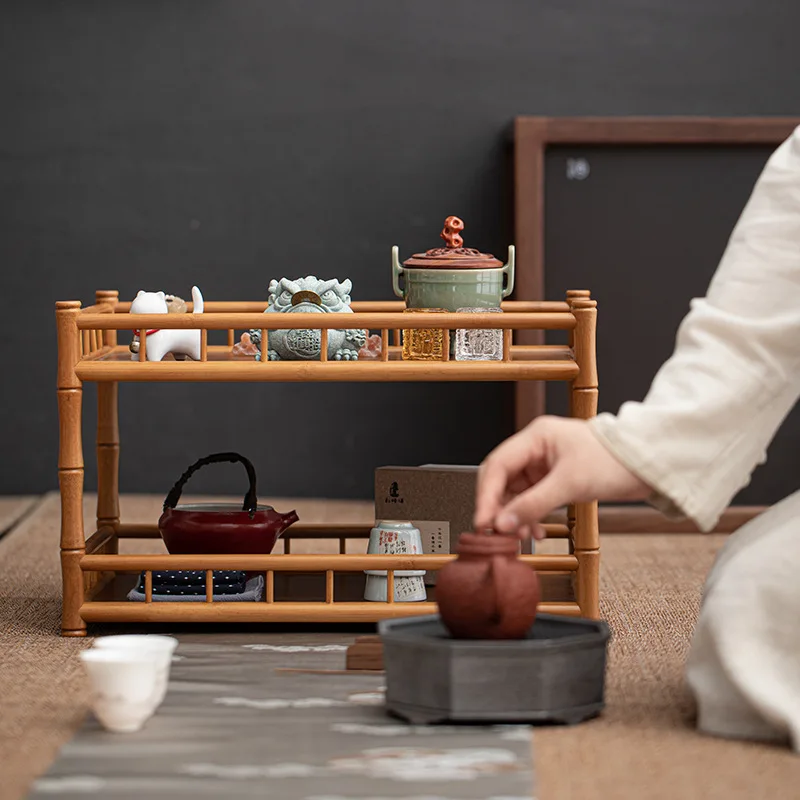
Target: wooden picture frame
(532,136)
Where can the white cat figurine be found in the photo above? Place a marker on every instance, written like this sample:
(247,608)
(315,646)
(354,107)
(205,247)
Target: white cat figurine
(180,343)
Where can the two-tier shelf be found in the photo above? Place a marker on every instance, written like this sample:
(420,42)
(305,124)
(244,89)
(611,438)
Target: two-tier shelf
(96,576)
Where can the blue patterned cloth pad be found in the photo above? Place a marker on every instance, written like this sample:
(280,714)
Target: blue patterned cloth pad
(224,591)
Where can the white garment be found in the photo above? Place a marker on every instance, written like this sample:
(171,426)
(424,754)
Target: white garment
(706,422)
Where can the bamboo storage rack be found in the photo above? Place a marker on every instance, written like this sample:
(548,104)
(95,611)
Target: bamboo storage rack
(88,351)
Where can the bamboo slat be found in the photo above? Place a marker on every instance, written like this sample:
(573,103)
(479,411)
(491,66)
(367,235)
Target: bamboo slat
(329,586)
(330,371)
(390,586)
(321,612)
(99,539)
(270,590)
(548,320)
(359,306)
(384,344)
(209,586)
(299,563)
(323,345)
(507,348)
(128,530)
(107,454)
(306,530)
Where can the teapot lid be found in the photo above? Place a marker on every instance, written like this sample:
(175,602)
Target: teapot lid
(454,255)
(487,544)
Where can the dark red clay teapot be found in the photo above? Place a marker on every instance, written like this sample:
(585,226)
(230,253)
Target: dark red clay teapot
(221,527)
(487,592)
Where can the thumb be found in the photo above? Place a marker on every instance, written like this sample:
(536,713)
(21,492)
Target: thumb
(530,507)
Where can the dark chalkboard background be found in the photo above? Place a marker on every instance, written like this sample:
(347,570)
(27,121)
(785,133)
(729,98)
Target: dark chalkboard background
(657,219)
(226,142)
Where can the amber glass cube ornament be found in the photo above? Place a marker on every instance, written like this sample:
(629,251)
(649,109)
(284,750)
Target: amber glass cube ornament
(423,344)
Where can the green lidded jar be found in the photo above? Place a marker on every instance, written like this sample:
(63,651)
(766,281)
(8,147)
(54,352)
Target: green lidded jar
(453,276)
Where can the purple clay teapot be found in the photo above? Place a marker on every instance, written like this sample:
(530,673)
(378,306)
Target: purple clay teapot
(487,592)
(221,527)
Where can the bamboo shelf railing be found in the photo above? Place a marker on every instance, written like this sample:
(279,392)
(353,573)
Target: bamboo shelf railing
(89,350)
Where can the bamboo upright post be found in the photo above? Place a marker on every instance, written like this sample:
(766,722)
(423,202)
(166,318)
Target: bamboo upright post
(573,294)
(108,440)
(70,468)
(583,518)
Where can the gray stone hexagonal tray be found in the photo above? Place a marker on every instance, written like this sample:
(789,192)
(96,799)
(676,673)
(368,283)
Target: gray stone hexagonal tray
(556,674)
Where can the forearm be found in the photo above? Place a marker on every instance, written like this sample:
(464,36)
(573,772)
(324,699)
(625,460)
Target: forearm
(716,404)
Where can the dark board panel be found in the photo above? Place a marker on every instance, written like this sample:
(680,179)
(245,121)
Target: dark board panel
(226,142)
(644,228)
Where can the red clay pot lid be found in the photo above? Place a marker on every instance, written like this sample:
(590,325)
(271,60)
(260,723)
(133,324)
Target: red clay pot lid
(488,544)
(454,255)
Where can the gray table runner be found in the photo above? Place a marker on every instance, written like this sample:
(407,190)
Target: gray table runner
(234,725)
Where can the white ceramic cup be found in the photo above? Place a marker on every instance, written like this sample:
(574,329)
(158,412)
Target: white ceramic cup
(409,589)
(155,645)
(123,684)
(395,537)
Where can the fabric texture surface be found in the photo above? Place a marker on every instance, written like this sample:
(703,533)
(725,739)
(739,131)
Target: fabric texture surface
(703,428)
(242,720)
(644,745)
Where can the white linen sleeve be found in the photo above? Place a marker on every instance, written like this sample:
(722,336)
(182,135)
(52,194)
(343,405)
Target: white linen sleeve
(716,404)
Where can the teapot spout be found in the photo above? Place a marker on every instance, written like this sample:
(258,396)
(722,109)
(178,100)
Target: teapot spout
(286,521)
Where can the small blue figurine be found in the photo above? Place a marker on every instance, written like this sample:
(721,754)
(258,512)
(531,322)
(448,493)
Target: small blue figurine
(314,296)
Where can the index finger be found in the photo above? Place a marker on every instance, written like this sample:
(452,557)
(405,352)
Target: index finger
(495,473)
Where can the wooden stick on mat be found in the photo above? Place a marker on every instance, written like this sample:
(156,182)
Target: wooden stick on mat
(298,670)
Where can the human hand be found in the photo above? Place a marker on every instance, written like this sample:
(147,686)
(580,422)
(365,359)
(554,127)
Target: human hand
(552,462)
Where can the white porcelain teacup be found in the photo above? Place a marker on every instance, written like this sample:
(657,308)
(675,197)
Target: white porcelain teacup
(395,537)
(123,685)
(154,645)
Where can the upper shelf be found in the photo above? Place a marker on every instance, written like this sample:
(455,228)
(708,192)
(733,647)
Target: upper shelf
(90,337)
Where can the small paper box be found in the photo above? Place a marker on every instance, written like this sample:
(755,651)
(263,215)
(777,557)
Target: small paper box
(423,344)
(479,344)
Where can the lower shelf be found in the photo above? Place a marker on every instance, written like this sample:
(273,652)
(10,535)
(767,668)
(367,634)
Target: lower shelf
(297,598)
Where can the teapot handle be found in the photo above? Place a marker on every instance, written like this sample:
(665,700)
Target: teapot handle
(397,271)
(508,269)
(498,572)
(250,502)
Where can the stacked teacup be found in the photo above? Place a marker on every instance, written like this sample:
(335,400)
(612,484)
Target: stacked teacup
(395,537)
(128,675)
